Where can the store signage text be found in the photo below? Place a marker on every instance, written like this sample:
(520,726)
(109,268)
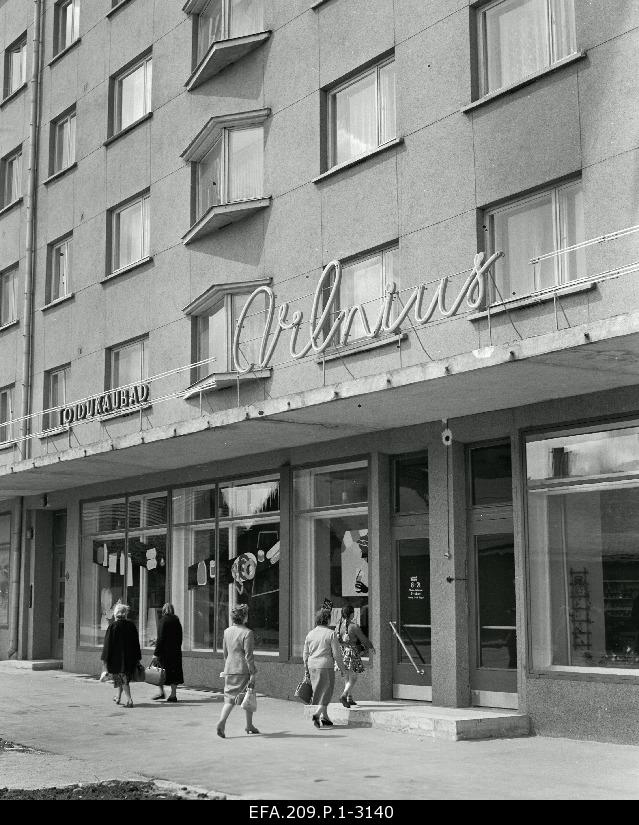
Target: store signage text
(326,311)
(120,400)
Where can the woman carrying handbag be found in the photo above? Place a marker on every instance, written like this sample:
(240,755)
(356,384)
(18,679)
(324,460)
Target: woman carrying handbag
(168,652)
(239,669)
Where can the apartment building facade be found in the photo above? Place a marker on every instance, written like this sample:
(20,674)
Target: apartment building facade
(306,301)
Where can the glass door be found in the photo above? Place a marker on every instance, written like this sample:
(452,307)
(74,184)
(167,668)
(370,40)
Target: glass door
(59,583)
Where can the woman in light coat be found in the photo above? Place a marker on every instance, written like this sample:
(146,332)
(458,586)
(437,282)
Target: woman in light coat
(239,667)
(321,654)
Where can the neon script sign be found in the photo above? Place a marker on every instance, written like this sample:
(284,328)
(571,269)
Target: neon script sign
(473,290)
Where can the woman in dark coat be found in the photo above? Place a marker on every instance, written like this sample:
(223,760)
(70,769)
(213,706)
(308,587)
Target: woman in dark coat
(121,652)
(168,651)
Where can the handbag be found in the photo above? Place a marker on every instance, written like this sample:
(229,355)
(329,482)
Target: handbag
(304,691)
(139,674)
(250,700)
(155,675)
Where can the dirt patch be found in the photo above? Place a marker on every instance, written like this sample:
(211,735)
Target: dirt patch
(10,746)
(107,790)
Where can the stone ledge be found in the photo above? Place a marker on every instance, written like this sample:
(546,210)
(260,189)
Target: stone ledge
(30,664)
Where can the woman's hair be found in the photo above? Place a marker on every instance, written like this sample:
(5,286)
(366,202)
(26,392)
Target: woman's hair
(322,617)
(239,613)
(347,611)
(168,610)
(120,610)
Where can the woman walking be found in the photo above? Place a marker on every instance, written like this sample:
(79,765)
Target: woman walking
(321,655)
(121,652)
(168,651)
(351,639)
(239,667)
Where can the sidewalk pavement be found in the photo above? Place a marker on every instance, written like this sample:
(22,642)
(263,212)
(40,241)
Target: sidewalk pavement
(84,737)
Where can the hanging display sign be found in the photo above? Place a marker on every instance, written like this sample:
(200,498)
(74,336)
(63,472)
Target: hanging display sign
(328,325)
(120,400)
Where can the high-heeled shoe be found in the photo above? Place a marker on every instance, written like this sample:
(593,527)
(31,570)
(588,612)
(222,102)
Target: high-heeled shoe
(220,732)
(351,701)
(344,701)
(116,700)
(251,730)
(129,704)
(327,723)
(316,720)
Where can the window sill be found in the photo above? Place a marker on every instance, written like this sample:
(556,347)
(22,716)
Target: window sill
(13,95)
(11,324)
(128,129)
(128,268)
(223,53)
(60,174)
(11,206)
(359,159)
(117,8)
(333,353)
(64,51)
(221,380)
(506,90)
(533,300)
(123,413)
(57,302)
(222,215)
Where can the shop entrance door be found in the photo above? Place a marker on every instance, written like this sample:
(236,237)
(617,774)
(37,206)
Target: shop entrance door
(59,542)
(412,625)
(493,638)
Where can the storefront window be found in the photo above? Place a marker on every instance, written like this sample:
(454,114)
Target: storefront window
(227,556)
(411,484)
(583,515)
(5,554)
(123,558)
(491,474)
(330,557)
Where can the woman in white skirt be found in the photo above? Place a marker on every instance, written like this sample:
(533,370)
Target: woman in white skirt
(321,654)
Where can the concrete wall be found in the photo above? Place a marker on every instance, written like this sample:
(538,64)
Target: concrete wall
(427,193)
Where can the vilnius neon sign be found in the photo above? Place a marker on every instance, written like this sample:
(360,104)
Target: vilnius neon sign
(473,290)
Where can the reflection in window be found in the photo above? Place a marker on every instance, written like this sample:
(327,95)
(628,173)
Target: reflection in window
(491,475)
(495,562)
(411,484)
(222,19)
(5,555)
(217,567)
(331,546)
(584,556)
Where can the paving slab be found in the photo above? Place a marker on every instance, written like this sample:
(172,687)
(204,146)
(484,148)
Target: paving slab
(73,716)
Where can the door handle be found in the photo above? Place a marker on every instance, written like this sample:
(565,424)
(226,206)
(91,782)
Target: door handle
(451,579)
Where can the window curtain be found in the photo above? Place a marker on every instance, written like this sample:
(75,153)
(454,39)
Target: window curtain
(523,232)
(362,284)
(355,119)
(245,17)
(6,414)
(7,299)
(14,179)
(127,366)
(135,94)
(130,232)
(563,27)
(210,27)
(245,173)
(517,42)
(60,271)
(387,109)
(217,343)
(252,329)
(210,179)
(572,231)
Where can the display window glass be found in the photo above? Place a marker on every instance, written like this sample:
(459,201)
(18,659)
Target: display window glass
(226,551)
(330,561)
(124,557)
(583,526)
(5,554)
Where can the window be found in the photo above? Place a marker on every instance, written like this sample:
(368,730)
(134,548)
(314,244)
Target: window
(5,557)
(330,558)
(233,560)
(214,331)
(520,37)
(124,556)
(8,312)
(364,283)
(54,396)
(62,142)
(59,270)
(491,475)
(6,414)
(11,177)
(67,24)
(541,225)
(411,484)
(15,66)
(127,364)
(130,228)
(362,114)
(224,19)
(132,94)
(232,170)
(583,519)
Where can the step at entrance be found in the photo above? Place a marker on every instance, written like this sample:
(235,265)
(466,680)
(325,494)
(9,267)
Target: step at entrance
(453,724)
(32,664)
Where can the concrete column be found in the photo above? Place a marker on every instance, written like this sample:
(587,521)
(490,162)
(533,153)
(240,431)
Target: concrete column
(448,570)
(41,553)
(381,574)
